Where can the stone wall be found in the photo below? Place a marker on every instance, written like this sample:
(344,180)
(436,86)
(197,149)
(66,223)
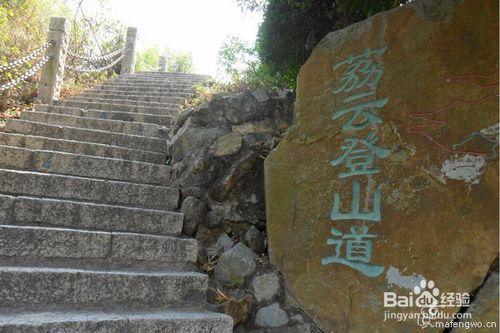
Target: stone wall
(387,185)
(217,157)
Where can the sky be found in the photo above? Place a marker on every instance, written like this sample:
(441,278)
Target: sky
(196,26)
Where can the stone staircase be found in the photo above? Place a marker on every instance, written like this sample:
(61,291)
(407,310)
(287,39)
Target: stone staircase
(90,237)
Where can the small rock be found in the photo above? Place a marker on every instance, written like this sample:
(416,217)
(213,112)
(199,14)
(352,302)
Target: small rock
(228,144)
(254,240)
(215,217)
(260,95)
(225,242)
(271,316)
(212,294)
(265,287)
(191,191)
(235,264)
(297,318)
(194,211)
(239,309)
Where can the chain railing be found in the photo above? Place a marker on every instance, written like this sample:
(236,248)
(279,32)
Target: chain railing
(29,73)
(118,54)
(25,59)
(105,57)
(53,63)
(22,61)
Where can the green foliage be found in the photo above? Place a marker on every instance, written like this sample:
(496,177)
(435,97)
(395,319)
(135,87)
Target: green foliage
(291,29)
(252,5)
(23,27)
(177,61)
(241,65)
(148,59)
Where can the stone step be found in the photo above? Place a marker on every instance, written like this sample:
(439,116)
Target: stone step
(32,288)
(83,166)
(165,121)
(95,99)
(134,89)
(157,73)
(167,321)
(83,248)
(176,78)
(134,92)
(78,147)
(25,210)
(150,80)
(85,135)
(166,109)
(151,86)
(173,99)
(137,94)
(173,84)
(118,126)
(15,182)
(165,75)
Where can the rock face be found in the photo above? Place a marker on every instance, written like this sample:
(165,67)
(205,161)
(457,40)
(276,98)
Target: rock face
(390,175)
(217,159)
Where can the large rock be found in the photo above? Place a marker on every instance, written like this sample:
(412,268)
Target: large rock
(390,175)
(189,137)
(228,144)
(235,265)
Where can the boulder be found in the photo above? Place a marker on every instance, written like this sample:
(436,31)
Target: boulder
(235,265)
(390,174)
(182,117)
(194,211)
(265,287)
(189,138)
(228,144)
(271,316)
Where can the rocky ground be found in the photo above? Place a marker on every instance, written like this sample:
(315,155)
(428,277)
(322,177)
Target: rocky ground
(217,156)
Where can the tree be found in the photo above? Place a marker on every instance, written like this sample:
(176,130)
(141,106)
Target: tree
(291,29)
(179,61)
(148,59)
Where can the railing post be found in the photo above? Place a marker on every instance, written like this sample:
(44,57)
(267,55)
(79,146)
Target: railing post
(128,62)
(163,63)
(53,72)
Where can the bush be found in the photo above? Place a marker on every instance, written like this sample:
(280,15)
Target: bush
(291,29)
